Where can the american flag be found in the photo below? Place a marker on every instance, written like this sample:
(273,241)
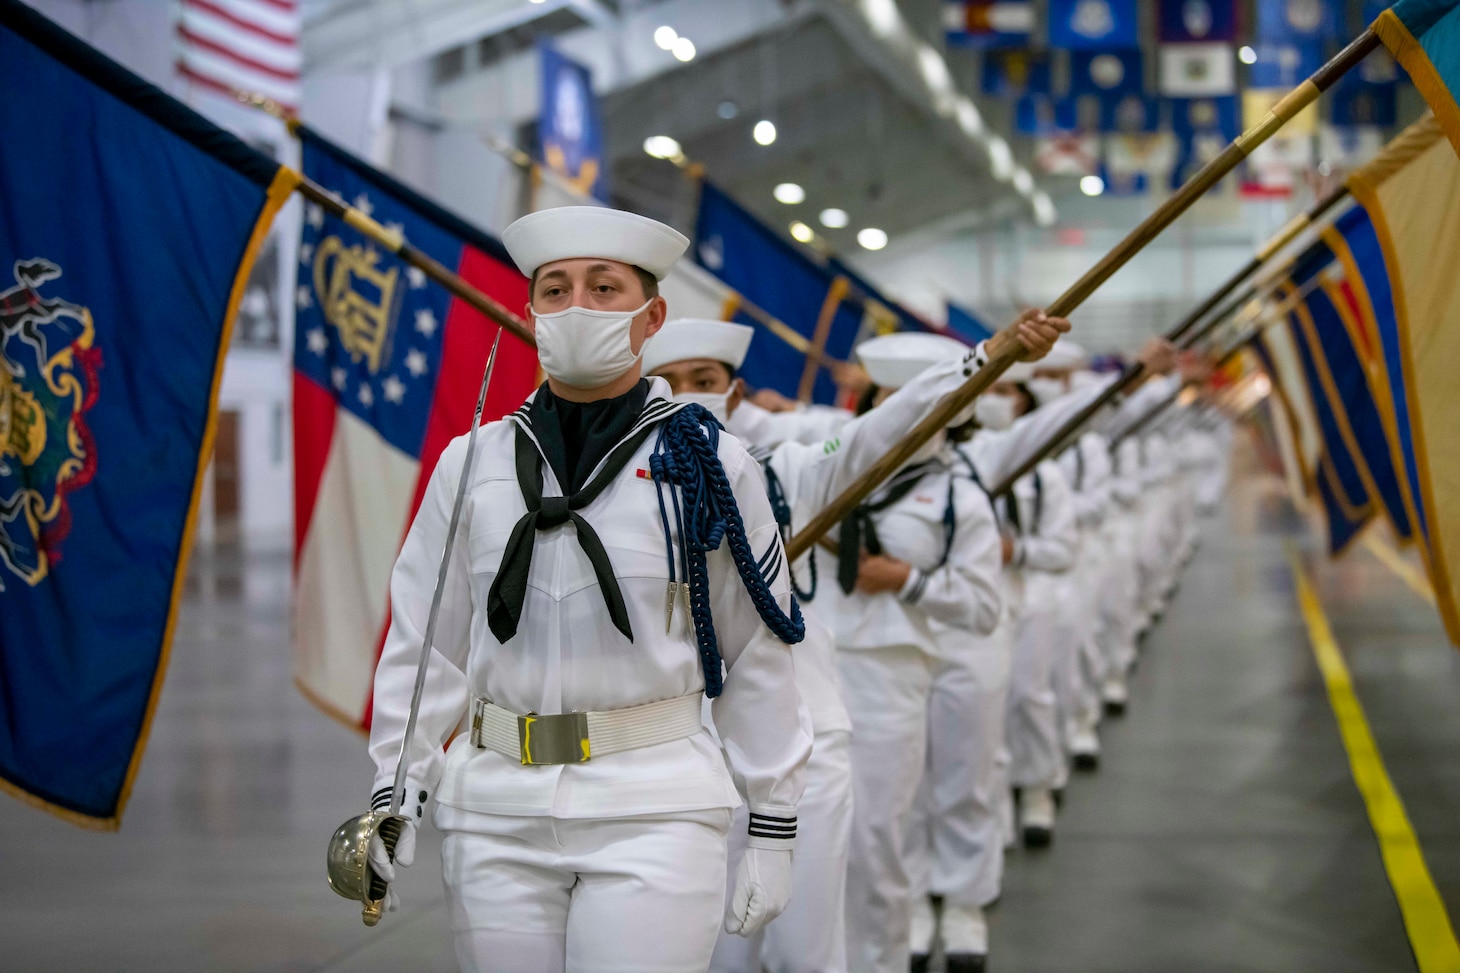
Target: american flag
(231,46)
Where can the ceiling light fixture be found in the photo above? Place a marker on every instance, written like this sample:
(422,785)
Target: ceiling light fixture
(872,238)
(664,37)
(1001,159)
(882,15)
(662,147)
(968,117)
(834,218)
(802,233)
(1246,55)
(1092,185)
(789,193)
(1023,181)
(684,49)
(1044,213)
(764,132)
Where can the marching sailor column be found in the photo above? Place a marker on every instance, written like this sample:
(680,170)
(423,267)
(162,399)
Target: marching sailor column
(699,359)
(585,806)
(924,546)
(955,840)
(1120,587)
(1079,668)
(1039,517)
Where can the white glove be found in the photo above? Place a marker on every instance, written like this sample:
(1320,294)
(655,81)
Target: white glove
(762,890)
(413,809)
(405,852)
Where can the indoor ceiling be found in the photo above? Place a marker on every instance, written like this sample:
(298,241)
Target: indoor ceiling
(843,133)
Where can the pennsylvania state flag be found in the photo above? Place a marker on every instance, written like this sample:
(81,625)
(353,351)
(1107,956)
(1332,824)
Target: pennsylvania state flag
(128,225)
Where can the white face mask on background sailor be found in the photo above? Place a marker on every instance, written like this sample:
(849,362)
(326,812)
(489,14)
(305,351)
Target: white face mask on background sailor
(1046,390)
(717,403)
(993,411)
(586,348)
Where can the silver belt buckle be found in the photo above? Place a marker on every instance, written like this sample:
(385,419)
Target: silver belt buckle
(556,739)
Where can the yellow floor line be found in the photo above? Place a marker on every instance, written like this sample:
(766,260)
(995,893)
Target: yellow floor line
(1407,572)
(1431,935)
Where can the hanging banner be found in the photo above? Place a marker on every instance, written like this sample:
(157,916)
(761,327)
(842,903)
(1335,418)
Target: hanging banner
(1010,74)
(1007,23)
(1109,74)
(1081,25)
(569,125)
(1196,21)
(1198,70)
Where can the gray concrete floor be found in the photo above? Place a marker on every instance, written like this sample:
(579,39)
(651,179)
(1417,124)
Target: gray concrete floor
(1222,832)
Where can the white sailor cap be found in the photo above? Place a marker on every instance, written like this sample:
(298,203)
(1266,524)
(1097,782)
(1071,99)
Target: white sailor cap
(569,232)
(685,338)
(1020,371)
(893,360)
(1064,354)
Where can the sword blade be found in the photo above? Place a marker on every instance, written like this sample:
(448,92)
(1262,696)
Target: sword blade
(398,790)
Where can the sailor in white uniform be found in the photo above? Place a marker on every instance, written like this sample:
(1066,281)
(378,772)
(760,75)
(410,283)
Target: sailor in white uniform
(956,837)
(618,559)
(923,547)
(699,359)
(1079,669)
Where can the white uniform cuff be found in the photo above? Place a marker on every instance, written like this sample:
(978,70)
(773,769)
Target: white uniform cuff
(912,589)
(413,801)
(975,359)
(772,826)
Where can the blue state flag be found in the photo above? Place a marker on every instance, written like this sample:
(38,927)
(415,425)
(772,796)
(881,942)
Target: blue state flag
(127,230)
(1299,21)
(1109,74)
(1284,64)
(773,274)
(1196,21)
(1011,73)
(569,126)
(1329,323)
(967,325)
(1082,25)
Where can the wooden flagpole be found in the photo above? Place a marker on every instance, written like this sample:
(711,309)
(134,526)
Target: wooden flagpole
(1209,175)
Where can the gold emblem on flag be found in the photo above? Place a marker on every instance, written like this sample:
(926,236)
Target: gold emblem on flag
(357,297)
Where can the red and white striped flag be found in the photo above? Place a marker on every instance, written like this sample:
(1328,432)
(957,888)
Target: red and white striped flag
(251,46)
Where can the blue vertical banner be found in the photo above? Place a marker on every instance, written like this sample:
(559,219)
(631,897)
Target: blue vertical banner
(1196,21)
(128,226)
(776,275)
(967,325)
(1083,25)
(1109,74)
(1202,128)
(1011,73)
(569,124)
(1284,64)
(1300,22)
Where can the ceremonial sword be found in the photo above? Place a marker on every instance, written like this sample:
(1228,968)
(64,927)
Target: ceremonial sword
(348,860)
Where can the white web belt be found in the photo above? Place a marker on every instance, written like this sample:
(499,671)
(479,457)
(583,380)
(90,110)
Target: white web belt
(571,738)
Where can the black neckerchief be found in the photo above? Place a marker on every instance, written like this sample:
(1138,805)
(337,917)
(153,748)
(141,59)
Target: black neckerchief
(859,531)
(508,592)
(575,436)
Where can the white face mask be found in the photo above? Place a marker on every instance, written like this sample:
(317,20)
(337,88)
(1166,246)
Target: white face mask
(584,348)
(1046,390)
(718,403)
(994,411)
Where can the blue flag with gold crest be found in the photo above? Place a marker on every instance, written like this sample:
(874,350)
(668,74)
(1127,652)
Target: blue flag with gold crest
(128,227)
